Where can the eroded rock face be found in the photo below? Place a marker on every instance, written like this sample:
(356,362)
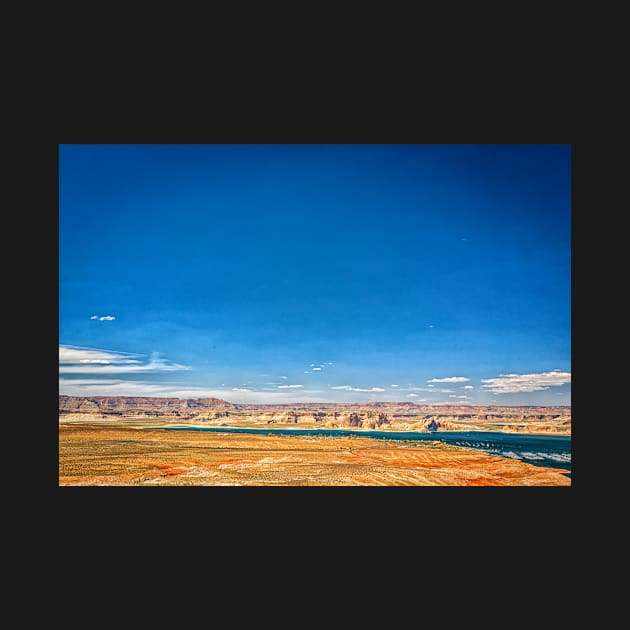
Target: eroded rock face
(143,405)
(384,416)
(354,420)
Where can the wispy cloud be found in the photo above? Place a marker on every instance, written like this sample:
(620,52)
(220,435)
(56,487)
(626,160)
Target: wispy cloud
(412,395)
(78,354)
(94,317)
(283,377)
(289,386)
(449,379)
(104,318)
(114,387)
(317,367)
(78,360)
(520,383)
(349,388)
(468,387)
(446,391)
(393,385)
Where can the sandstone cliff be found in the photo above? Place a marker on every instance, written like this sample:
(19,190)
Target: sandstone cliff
(380,416)
(119,405)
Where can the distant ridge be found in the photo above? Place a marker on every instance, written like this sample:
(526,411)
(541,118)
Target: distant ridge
(144,404)
(404,416)
(114,404)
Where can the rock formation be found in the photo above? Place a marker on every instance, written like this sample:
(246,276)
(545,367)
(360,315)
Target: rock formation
(382,416)
(144,405)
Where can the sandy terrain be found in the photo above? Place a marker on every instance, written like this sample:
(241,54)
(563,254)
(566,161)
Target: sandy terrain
(93,454)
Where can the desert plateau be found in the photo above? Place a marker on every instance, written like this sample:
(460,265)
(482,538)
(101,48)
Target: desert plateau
(165,441)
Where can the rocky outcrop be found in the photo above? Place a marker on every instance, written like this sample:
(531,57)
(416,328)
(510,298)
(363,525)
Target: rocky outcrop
(383,416)
(354,420)
(120,405)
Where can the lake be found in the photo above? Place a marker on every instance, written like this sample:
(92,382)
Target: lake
(541,450)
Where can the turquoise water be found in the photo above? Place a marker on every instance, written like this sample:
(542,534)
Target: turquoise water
(553,451)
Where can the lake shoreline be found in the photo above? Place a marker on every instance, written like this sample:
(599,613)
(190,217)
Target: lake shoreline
(263,427)
(539,450)
(145,422)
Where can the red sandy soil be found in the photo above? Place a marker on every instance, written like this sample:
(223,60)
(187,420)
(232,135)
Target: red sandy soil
(100,455)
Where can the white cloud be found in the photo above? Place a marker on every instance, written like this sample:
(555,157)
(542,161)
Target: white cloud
(77,360)
(358,389)
(284,377)
(452,396)
(107,362)
(430,385)
(466,397)
(77,354)
(74,354)
(449,379)
(94,317)
(520,383)
(393,385)
(316,367)
(289,386)
(154,365)
(241,389)
(412,395)
(446,391)
(468,387)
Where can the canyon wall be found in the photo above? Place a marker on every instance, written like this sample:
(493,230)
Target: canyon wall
(381,416)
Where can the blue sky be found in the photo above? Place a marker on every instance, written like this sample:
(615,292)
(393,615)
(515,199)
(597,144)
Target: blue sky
(282,273)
